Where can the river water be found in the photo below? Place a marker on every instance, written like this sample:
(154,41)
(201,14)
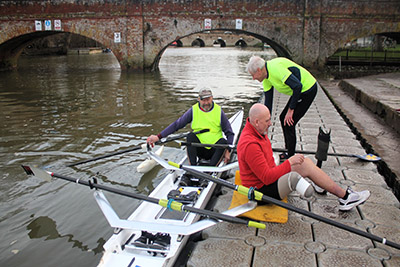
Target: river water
(62,109)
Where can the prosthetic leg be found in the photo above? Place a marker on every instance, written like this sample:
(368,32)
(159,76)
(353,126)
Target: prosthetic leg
(294,182)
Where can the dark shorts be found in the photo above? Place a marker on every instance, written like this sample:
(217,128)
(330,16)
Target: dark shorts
(270,190)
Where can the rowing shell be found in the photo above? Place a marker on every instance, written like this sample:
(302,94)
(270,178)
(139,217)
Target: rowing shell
(124,248)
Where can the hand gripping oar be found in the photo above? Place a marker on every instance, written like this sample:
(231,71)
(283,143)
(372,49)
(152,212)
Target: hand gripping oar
(162,141)
(367,157)
(170,204)
(261,197)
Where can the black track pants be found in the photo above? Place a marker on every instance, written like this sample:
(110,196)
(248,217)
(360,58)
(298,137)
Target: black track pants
(303,104)
(213,154)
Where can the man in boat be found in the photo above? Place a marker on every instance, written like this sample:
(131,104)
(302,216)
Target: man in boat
(257,166)
(291,79)
(205,114)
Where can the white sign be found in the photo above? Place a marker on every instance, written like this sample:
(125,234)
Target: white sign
(47,25)
(38,25)
(57,25)
(239,24)
(207,24)
(117,37)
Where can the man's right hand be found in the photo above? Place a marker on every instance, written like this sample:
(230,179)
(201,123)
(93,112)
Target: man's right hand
(296,159)
(152,139)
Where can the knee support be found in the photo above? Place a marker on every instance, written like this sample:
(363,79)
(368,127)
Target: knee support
(299,184)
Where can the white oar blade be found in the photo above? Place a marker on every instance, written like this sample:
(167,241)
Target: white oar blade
(33,171)
(150,163)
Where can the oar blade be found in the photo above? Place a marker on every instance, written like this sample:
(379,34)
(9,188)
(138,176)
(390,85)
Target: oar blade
(368,157)
(33,171)
(149,163)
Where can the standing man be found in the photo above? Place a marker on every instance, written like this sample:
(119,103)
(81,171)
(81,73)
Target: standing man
(291,79)
(205,114)
(257,166)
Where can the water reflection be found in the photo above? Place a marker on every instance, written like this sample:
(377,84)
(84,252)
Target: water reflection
(44,227)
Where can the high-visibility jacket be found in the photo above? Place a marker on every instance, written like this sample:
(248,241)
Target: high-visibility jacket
(279,69)
(207,120)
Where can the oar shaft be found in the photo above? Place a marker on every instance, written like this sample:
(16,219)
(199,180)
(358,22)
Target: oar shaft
(135,148)
(206,145)
(260,197)
(105,156)
(313,152)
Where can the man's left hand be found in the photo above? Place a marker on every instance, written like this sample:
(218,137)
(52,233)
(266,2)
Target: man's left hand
(289,118)
(227,156)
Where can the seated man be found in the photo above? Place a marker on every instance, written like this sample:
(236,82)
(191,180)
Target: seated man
(203,115)
(258,169)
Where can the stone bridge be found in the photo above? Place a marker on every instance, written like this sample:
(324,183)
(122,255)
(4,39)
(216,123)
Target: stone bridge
(138,32)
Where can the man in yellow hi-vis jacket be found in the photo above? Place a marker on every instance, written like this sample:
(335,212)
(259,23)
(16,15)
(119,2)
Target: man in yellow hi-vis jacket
(288,78)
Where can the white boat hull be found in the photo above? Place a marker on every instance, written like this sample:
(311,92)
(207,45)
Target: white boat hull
(120,249)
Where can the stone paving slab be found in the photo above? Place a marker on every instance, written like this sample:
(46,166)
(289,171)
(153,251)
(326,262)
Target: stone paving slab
(303,241)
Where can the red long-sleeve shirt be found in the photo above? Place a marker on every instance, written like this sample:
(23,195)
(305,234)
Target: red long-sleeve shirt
(256,162)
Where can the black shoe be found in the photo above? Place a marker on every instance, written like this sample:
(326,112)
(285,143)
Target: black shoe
(284,156)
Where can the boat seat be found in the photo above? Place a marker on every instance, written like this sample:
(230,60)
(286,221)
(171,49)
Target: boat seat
(188,198)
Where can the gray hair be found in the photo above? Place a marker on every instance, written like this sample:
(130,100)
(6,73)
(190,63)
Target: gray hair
(255,62)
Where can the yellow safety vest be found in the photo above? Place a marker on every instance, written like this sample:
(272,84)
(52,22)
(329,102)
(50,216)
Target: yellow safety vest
(207,120)
(278,72)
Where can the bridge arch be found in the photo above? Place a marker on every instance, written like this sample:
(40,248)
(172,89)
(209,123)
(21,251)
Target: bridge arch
(219,42)
(198,42)
(11,50)
(279,49)
(241,43)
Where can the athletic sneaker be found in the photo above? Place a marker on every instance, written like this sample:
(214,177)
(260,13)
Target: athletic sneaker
(353,199)
(318,189)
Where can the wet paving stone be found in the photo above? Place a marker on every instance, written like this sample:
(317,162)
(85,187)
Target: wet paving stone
(333,237)
(295,231)
(340,257)
(381,213)
(275,254)
(369,177)
(213,252)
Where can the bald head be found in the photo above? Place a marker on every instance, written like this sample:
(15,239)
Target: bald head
(260,118)
(257,110)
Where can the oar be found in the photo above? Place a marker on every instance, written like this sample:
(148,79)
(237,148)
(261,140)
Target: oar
(162,141)
(261,197)
(206,145)
(367,157)
(170,204)
(165,164)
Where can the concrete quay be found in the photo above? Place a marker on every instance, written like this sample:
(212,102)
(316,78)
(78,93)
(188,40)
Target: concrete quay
(303,241)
